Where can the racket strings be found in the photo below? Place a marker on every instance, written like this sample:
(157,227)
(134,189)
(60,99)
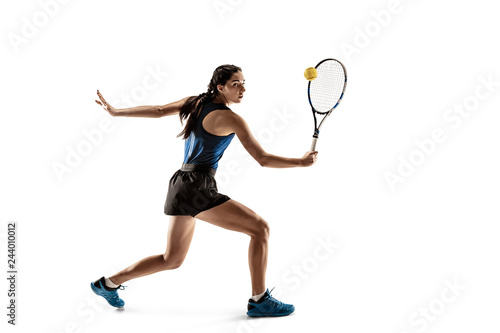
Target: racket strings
(327,88)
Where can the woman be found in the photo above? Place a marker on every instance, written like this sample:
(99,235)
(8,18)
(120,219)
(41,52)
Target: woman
(192,193)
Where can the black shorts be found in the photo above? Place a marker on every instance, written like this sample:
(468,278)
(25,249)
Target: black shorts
(191,192)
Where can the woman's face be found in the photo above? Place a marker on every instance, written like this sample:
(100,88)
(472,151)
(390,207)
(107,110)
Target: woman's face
(232,91)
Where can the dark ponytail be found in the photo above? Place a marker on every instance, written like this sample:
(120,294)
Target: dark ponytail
(190,110)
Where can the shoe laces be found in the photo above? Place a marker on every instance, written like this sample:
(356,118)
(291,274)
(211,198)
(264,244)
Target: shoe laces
(114,293)
(274,301)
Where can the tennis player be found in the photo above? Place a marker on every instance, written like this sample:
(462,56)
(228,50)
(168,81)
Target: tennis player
(193,194)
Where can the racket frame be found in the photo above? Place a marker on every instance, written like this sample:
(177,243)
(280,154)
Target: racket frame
(326,113)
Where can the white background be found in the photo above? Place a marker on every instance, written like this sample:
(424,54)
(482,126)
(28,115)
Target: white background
(399,248)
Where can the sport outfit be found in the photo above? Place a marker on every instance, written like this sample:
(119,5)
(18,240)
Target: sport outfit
(192,189)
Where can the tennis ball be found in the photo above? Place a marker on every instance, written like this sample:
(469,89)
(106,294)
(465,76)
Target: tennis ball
(311,73)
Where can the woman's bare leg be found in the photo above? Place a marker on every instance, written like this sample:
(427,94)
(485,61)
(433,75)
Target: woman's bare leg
(180,234)
(235,216)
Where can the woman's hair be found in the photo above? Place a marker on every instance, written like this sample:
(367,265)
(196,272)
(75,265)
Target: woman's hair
(190,110)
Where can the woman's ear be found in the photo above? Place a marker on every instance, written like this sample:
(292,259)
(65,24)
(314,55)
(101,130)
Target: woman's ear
(220,87)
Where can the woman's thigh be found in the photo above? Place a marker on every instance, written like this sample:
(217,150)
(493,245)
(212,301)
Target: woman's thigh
(235,216)
(180,234)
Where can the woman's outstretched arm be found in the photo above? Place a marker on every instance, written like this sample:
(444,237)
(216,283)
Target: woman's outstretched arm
(148,111)
(235,123)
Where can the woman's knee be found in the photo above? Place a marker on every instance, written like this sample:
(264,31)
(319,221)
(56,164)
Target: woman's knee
(261,229)
(172,262)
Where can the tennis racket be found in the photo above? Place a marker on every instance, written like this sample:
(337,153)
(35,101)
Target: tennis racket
(326,91)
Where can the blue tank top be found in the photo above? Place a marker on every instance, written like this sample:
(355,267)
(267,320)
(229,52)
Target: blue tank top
(204,148)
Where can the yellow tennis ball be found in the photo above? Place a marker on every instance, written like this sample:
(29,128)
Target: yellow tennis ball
(311,73)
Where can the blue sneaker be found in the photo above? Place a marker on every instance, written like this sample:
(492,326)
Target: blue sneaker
(110,294)
(268,306)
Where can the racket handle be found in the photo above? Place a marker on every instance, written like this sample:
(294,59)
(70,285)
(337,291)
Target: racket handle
(313,145)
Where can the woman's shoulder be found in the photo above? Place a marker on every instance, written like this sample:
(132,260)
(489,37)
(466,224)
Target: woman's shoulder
(219,121)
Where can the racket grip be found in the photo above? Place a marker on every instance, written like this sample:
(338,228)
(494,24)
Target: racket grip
(313,145)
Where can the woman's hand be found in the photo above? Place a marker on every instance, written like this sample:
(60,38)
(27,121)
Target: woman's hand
(309,158)
(112,111)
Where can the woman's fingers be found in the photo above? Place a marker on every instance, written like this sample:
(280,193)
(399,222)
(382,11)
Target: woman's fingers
(313,155)
(102,98)
(103,102)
